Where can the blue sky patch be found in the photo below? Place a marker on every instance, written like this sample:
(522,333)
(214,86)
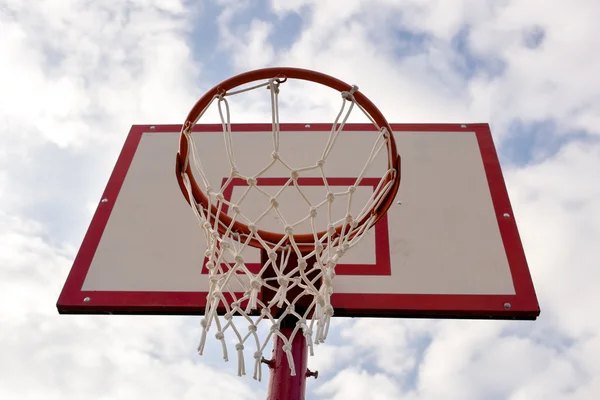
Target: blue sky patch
(533,142)
(472,64)
(534,37)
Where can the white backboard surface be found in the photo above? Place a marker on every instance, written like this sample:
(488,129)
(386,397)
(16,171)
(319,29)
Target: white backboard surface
(448,247)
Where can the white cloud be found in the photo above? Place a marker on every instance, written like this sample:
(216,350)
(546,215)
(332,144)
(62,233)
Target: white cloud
(248,48)
(32,269)
(72,68)
(471,361)
(70,357)
(328,357)
(353,384)
(364,46)
(556,209)
(392,346)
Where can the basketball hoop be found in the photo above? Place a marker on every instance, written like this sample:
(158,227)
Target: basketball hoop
(298,268)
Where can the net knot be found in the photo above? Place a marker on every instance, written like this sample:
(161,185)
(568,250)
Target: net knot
(289,230)
(275,155)
(328,310)
(257,355)
(319,247)
(349,95)
(313,212)
(210,266)
(239,258)
(272,255)
(352,189)
(220,196)
(283,281)
(286,347)
(251,181)
(234,172)
(252,228)
(225,245)
(203,322)
(235,209)
(274,85)
(305,329)
(294,174)
(279,297)
(320,163)
(274,328)
(252,328)
(302,264)
(330,197)
(274,202)
(227,316)
(330,229)
(255,284)
(239,347)
(213,279)
(219,335)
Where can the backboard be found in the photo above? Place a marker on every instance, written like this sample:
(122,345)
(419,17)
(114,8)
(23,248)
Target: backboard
(448,248)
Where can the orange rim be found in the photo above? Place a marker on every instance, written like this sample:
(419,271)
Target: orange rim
(304,240)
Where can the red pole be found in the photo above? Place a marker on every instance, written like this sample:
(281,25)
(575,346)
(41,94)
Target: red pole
(283,386)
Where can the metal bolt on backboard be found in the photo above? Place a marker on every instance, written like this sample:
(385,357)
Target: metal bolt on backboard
(310,373)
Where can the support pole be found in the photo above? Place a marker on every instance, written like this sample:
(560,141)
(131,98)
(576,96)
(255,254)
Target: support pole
(283,386)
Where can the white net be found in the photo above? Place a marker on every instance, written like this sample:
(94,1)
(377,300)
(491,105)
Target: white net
(237,290)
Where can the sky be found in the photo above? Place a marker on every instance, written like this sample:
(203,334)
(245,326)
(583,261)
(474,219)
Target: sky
(75,75)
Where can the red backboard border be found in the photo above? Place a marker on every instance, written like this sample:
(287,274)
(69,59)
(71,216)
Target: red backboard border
(522,305)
